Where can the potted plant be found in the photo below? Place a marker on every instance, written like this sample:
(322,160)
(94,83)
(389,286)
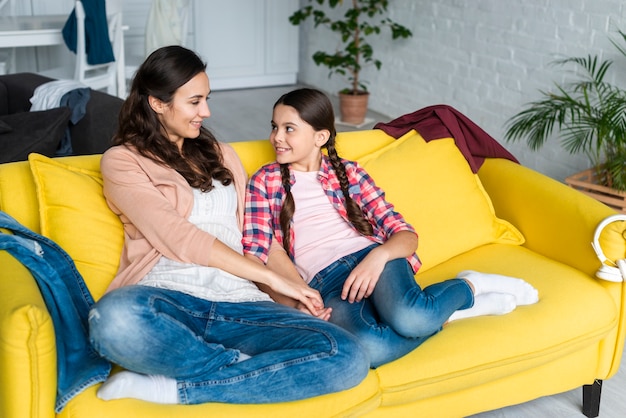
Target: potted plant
(590,114)
(357,23)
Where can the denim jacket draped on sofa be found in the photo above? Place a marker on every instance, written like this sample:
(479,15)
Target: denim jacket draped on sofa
(68,300)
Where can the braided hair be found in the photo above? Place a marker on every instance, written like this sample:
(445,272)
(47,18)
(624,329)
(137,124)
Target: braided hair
(315,108)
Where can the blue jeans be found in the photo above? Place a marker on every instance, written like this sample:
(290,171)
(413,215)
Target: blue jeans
(399,315)
(68,301)
(198,342)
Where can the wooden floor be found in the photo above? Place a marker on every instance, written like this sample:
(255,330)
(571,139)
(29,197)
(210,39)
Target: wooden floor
(239,115)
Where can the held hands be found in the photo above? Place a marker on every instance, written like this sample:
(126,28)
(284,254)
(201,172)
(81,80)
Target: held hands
(308,299)
(323,314)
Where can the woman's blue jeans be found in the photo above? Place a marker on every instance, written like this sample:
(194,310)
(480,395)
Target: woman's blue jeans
(198,342)
(399,315)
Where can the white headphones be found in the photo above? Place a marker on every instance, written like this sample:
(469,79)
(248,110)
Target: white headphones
(614,271)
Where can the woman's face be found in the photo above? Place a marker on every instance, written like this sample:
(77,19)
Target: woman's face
(295,142)
(182,117)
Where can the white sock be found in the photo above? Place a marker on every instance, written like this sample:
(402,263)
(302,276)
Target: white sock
(524,293)
(152,388)
(487,304)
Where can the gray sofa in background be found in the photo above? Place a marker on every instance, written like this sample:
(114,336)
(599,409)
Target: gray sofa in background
(23,132)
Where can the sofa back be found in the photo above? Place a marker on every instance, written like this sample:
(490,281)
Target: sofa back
(90,135)
(431,184)
(16,91)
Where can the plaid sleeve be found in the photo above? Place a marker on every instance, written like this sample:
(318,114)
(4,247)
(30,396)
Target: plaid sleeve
(375,206)
(257,230)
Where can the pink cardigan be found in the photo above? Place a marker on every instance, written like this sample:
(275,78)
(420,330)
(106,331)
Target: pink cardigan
(153,203)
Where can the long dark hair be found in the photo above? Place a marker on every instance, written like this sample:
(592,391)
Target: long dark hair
(315,108)
(161,75)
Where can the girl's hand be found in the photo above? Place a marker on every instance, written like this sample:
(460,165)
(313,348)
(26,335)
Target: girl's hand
(363,279)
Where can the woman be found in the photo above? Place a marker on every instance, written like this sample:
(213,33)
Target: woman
(341,236)
(183,315)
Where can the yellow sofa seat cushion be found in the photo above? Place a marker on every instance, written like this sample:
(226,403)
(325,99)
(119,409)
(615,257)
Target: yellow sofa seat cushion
(74,214)
(432,185)
(560,324)
(355,402)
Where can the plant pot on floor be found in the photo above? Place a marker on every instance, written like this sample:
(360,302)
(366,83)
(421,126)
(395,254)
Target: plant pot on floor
(353,107)
(587,182)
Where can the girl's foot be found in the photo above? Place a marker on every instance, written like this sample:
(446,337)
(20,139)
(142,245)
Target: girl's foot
(487,304)
(524,293)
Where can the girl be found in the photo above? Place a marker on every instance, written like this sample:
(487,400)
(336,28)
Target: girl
(183,315)
(340,236)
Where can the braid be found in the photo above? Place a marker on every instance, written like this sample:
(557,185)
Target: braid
(315,108)
(288,208)
(355,215)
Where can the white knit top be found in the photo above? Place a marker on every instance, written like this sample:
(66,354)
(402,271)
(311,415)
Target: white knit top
(215,213)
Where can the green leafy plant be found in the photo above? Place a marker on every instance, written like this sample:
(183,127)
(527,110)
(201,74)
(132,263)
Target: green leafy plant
(357,23)
(590,114)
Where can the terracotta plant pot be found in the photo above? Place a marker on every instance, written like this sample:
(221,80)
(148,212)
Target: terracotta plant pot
(353,107)
(587,182)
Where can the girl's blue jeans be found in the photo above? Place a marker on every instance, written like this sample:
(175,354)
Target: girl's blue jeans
(399,315)
(198,342)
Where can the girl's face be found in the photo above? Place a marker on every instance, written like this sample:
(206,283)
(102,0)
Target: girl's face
(295,141)
(182,117)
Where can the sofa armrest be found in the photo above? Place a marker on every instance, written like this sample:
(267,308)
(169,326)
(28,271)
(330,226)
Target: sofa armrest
(27,345)
(559,222)
(556,220)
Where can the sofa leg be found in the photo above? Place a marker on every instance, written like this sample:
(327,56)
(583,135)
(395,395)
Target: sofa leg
(591,399)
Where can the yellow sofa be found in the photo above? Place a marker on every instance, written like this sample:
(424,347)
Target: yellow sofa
(507,219)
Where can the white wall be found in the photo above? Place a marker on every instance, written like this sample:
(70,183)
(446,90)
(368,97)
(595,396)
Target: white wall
(484,57)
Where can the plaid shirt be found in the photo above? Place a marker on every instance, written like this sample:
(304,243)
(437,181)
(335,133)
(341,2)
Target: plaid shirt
(265,196)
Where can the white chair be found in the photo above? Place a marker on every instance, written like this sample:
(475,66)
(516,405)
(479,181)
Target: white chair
(109,76)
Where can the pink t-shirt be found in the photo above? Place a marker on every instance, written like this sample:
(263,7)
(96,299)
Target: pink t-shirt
(322,235)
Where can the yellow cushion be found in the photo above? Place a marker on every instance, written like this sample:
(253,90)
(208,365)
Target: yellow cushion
(351,145)
(354,145)
(17,197)
(432,185)
(74,214)
(254,154)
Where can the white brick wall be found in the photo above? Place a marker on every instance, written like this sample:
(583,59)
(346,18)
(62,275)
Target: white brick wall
(484,57)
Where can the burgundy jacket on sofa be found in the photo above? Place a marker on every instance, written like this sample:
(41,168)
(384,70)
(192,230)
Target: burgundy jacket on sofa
(443,121)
